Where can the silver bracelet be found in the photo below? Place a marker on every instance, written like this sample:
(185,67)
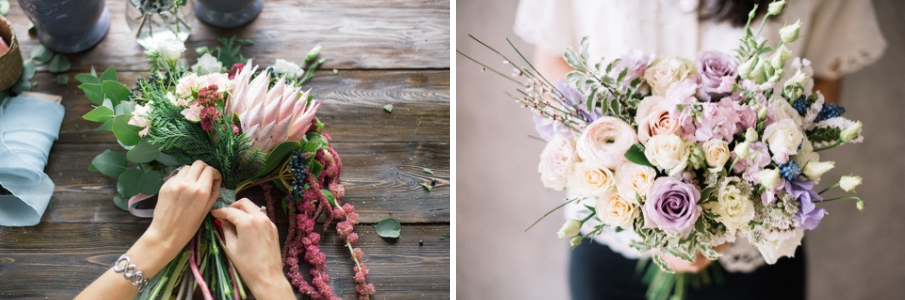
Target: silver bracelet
(130,271)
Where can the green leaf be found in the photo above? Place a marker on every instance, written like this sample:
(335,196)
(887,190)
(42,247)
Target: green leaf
(143,152)
(108,125)
(128,184)
(330,198)
(427,186)
(227,198)
(167,160)
(388,108)
(573,59)
(428,171)
(109,74)
(315,168)
(149,183)
(125,133)
(115,91)
(87,78)
(59,63)
(276,157)
(91,168)
(41,55)
(28,70)
(99,114)
(388,228)
(94,73)
(110,163)
(121,203)
(94,92)
(62,79)
(635,154)
(315,141)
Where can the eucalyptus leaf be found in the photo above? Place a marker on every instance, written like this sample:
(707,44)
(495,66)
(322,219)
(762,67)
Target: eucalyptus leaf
(109,74)
(108,125)
(115,91)
(59,63)
(99,114)
(128,184)
(388,228)
(62,79)
(41,55)
(125,133)
(635,154)
(28,70)
(149,183)
(167,160)
(121,203)
(94,92)
(227,198)
(388,108)
(110,163)
(143,152)
(276,157)
(87,78)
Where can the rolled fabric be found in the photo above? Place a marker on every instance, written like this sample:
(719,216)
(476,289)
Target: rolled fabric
(29,124)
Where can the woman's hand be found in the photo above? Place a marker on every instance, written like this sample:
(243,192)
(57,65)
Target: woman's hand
(183,202)
(252,242)
(700,262)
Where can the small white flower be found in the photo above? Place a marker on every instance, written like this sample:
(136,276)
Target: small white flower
(751,135)
(742,149)
(799,79)
(783,137)
(849,183)
(733,208)
(851,133)
(773,249)
(815,169)
(207,64)
(769,178)
(789,33)
(556,161)
(569,229)
(776,7)
(780,56)
(170,49)
(745,68)
(287,68)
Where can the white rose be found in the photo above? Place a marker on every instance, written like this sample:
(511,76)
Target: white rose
(633,180)
(849,183)
(288,68)
(772,249)
(669,152)
(813,170)
(569,229)
(590,180)
(769,178)
(664,71)
(605,141)
(653,118)
(207,64)
(555,162)
(733,209)
(783,138)
(170,49)
(716,153)
(614,210)
(783,110)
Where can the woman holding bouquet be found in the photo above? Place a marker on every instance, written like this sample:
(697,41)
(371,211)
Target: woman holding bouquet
(840,37)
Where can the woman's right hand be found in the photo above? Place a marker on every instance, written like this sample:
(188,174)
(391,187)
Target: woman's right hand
(252,242)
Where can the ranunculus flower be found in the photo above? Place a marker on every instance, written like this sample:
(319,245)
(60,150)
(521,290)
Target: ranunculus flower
(783,137)
(186,84)
(605,141)
(653,118)
(555,162)
(613,210)
(716,153)
(672,206)
(666,70)
(634,180)
(733,208)
(207,64)
(718,74)
(773,249)
(669,152)
(590,180)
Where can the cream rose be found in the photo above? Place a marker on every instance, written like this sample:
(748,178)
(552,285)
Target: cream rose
(614,210)
(664,71)
(653,118)
(669,152)
(633,180)
(716,153)
(783,137)
(555,162)
(605,141)
(733,208)
(590,180)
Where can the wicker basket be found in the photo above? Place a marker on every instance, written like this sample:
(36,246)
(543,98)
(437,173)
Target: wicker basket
(11,61)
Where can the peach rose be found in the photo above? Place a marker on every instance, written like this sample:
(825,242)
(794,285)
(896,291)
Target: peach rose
(653,118)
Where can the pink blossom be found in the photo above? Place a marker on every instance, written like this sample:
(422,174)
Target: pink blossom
(193,112)
(758,158)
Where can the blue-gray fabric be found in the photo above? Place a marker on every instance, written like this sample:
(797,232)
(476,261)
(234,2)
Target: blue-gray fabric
(28,128)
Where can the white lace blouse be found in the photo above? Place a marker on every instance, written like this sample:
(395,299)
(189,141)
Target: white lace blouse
(838,36)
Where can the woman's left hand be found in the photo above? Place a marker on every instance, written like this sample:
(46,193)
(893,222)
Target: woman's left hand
(183,203)
(700,262)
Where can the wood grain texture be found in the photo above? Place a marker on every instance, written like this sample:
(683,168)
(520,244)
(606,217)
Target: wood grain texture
(59,260)
(381,180)
(382,34)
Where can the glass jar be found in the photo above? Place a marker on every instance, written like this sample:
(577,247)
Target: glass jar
(155,20)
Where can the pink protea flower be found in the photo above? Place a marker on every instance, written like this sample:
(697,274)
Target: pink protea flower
(270,117)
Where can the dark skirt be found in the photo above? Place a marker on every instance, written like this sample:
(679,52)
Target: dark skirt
(596,272)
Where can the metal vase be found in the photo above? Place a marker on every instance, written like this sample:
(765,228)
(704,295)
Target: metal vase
(68,26)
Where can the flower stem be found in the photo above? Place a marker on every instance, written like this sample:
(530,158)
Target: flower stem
(839,142)
(550,212)
(829,188)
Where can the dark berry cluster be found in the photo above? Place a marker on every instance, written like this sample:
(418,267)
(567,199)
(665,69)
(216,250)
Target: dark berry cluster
(801,105)
(829,111)
(299,169)
(790,170)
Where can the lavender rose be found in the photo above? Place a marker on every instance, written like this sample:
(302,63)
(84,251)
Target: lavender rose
(672,206)
(718,73)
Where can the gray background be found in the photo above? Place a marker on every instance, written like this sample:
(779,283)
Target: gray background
(852,255)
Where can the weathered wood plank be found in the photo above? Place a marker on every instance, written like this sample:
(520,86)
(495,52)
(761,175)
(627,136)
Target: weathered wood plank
(381,180)
(352,109)
(59,260)
(355,35)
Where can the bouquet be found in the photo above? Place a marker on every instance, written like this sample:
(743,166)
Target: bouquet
(690,155)
(258,130)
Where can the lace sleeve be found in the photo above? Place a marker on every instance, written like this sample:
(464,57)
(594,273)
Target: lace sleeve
(844,37)
(545,23)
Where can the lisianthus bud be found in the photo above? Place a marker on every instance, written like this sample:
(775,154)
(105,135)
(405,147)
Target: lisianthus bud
(758,74)
(815,169)
(742,149)
(799,79)
(849,183)
(851,132)
(769,177)
(762,113)
(777,75)
(780,56)
(745,68)
(790,32)
(575,241)
(751,135)
(776,7)
(570,228)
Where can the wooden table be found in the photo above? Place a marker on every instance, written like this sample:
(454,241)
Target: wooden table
(387,52)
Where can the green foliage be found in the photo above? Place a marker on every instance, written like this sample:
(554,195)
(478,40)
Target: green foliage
(276,157)
(822,135)
(388,228)
(110,163)
(231,51)
(636,155)
(41,55)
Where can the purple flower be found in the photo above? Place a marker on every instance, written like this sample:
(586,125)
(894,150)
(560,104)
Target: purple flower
(636,61)
(672,206)
(573,98)
(718,121)
(758,158)
(718,74)
(803,190)
(547,128)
